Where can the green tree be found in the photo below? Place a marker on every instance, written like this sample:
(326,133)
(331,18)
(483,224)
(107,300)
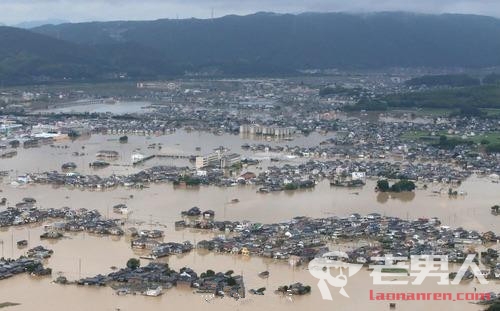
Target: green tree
(383,185)
(403,185)
(494,307)
(210,273)
(133,263)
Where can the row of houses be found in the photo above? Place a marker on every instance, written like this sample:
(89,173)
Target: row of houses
(302,238)
(67,220)
(159,276)
(11,267)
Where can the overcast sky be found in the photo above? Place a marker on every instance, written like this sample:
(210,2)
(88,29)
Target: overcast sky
(15,11)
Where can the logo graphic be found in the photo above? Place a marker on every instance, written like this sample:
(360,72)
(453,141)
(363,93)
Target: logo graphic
(419,268)
(320,269)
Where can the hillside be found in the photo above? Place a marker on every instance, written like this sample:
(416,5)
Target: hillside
(258,44)
(27,56)
(266,41)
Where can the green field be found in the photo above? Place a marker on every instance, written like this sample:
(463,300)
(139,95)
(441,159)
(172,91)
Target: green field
(419,135)
(426,112)
(394,270)
(491,112)
(487,138)
(484,96)
(442,112)
(464,100)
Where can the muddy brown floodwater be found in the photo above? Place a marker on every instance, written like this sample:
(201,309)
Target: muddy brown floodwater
(81,255)
(40,294)
(159,205)
(49,158)
(164,202)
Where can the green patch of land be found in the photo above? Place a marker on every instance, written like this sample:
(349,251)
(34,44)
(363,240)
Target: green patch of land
(471,100)
(446,80)
(394,270)
(484,139)
(425,112)
(8,304)
(485,96)
(491,112)
(420,135)
(339,90)
(490,141)
(494,307)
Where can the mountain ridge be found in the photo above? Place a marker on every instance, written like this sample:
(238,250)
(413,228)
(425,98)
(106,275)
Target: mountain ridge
(268,44)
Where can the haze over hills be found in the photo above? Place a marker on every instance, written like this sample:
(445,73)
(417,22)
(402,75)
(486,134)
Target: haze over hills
(25,55)
(262,43)
(28,57)
(38,23)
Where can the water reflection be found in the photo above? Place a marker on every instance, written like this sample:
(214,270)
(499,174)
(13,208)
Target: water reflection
(116,108)
(383,197)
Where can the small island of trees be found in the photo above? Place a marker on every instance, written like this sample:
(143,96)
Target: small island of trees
(188,181)
(400,186)
(494,307)
(133,263)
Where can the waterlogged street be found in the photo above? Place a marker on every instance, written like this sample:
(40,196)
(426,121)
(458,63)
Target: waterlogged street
(114,182)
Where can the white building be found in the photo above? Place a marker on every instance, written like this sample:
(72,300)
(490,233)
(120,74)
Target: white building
(218,159)
(358,175)
(136,157)
(255,129)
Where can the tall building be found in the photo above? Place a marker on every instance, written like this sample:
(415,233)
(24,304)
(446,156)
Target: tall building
(218,159)
(255,129)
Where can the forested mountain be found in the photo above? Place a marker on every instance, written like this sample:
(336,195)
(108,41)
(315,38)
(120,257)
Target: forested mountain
(312,40)
(262,43)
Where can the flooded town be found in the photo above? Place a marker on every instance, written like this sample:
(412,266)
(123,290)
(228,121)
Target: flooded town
(226,191)
(249,155)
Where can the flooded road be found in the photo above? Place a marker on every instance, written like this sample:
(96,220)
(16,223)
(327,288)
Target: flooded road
(41,294)
(82,255)
(85,106)
(163,203)
(159,206)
